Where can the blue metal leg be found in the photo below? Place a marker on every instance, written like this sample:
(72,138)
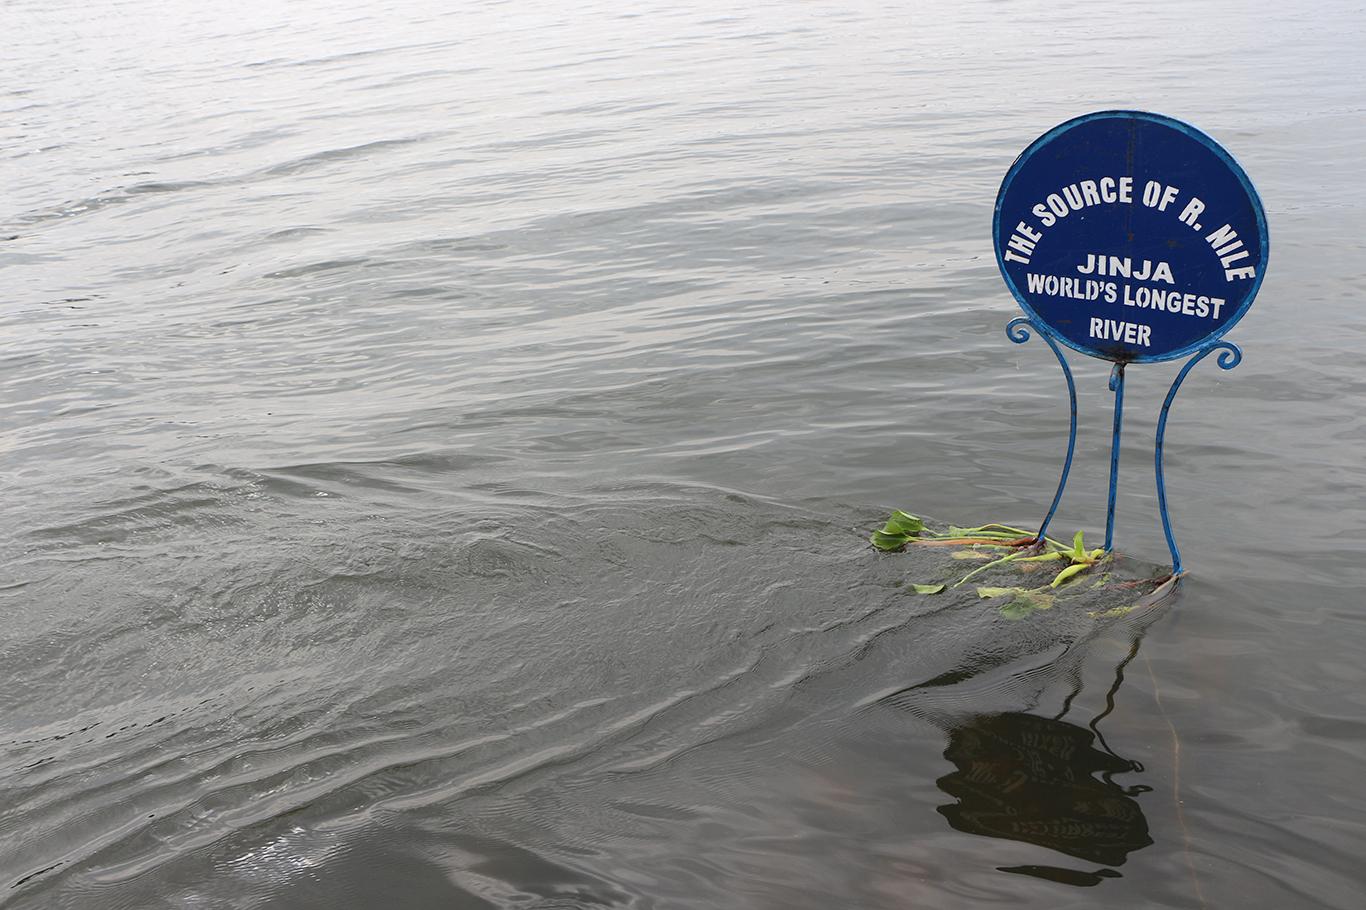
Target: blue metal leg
(1017,330)
(1230,355)
(1116,386)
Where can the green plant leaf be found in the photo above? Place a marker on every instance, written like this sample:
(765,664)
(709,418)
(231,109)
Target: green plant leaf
(884,541)
(998,592)
(1078,551)
(970,554)
(902,523)
(928,589)
(1113,613)
(1068,572)
(1026,603)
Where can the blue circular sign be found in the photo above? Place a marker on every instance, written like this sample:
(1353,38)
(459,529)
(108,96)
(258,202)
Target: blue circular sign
(1130,236)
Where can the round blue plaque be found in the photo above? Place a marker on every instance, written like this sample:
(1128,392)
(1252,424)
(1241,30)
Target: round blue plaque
(1130,236)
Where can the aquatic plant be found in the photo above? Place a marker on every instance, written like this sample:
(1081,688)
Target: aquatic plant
(996,546)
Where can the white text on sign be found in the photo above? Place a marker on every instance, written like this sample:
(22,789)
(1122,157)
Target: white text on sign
(1076,197)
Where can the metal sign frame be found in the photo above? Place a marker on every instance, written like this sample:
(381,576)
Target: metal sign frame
(1230,355)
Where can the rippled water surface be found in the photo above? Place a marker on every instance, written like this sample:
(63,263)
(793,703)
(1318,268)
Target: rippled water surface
(439,443)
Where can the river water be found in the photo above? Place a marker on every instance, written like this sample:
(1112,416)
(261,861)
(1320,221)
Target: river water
(439,443)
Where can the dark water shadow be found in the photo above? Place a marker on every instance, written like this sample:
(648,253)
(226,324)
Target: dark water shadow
(1043,781)
(1033,778)
(1048,782)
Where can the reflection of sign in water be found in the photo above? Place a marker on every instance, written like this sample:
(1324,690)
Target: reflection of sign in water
(1027,778)
(1130,236)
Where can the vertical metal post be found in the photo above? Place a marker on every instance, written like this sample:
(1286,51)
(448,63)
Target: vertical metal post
(1230,355)
(1018,331)
(1116,386)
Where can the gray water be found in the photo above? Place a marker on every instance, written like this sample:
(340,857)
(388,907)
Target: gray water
(439,443)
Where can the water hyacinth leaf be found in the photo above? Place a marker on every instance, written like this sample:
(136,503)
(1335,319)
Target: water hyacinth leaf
(1078,551)
(900,529)
(986,592)
(1112,613)
(1026,603)
(885,541)
(995,548)
(1068,572)
(902,523)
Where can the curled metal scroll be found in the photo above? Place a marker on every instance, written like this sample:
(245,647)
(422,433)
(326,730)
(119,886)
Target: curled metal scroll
(1017,330)
(1230,355)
